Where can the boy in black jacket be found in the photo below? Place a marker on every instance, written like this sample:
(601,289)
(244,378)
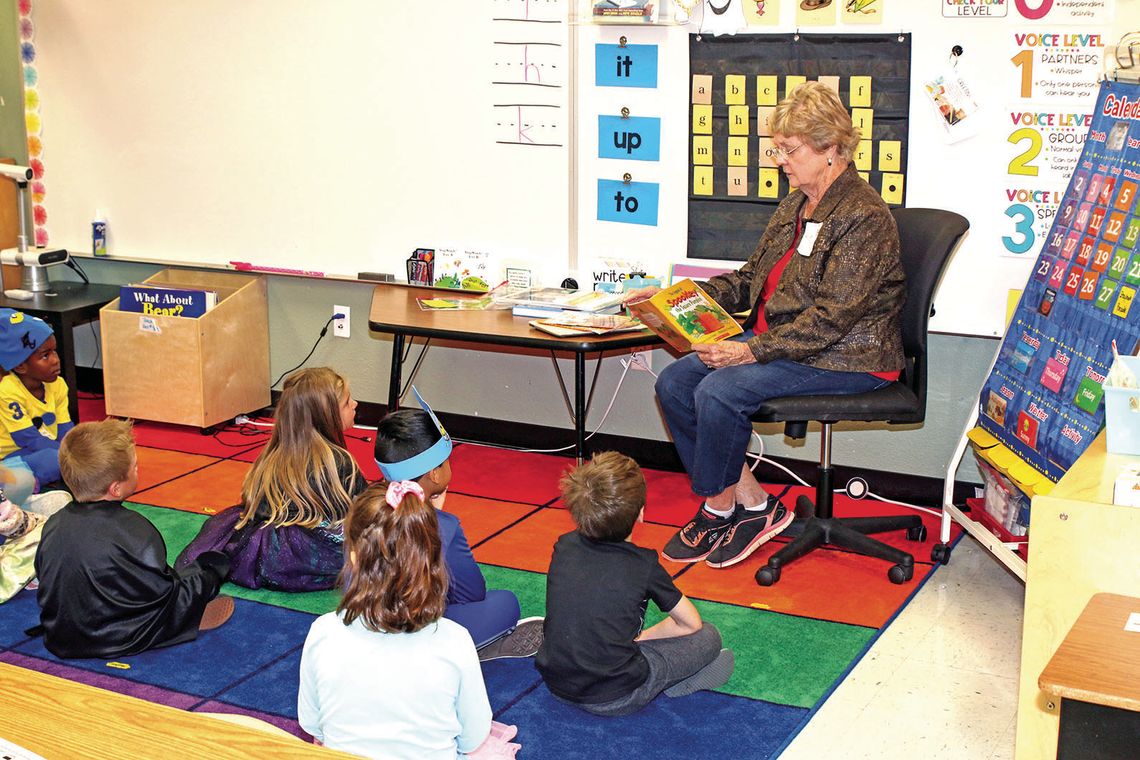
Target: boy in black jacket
(595,654)
(105,587)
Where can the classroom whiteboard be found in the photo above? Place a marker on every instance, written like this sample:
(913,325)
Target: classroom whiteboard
(331,136)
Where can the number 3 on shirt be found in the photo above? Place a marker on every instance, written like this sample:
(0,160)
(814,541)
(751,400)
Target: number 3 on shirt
(17,412)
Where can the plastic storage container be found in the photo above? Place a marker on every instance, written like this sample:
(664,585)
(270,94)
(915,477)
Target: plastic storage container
(1122,412)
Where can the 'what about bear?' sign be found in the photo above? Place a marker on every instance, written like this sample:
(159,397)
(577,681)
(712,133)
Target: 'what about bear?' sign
(165,302)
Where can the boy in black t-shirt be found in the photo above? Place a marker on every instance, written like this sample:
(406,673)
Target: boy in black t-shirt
(595,654)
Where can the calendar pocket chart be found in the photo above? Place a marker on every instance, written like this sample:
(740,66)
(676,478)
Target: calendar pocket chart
(1044,397)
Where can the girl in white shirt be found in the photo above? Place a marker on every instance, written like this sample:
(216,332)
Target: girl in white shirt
(387,675)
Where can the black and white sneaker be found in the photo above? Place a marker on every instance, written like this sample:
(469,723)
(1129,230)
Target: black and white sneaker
(699,537)
(523,641)
(750,531)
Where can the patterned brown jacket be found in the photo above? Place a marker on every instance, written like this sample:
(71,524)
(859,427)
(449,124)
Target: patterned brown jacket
(838,308)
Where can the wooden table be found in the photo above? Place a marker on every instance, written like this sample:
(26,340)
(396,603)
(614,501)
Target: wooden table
(63,306)
(57,718)
(396,311)
(1096,674)
(1080,544)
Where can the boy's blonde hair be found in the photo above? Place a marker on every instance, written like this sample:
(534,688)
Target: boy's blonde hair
(605,496)
(93,455)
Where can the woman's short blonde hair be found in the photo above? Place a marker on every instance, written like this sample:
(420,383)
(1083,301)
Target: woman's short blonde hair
(814,113)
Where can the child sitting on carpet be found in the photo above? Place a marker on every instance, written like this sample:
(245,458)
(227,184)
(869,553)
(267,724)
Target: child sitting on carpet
(411,444)
(595,655)
(33,397)
(385,675)
(21,518)
(288,532)
(105,588)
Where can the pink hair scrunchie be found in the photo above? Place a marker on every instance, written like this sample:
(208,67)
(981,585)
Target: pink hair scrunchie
(401,488)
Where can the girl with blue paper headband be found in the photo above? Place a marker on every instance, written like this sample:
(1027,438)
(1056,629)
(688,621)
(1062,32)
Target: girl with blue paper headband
(412,445)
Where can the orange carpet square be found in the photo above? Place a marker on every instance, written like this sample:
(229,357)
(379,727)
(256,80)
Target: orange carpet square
(827,585)
(160,465)
(206,491)
(484,517)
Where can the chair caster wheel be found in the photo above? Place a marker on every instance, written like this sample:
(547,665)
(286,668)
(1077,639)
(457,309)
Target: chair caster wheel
(766,575)
(900,573)
(940,553)
(916,534)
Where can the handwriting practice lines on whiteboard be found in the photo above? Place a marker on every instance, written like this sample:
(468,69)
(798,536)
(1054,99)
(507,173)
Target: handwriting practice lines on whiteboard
(529,70)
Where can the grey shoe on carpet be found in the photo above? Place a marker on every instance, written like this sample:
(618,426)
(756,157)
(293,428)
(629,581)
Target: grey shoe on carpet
(523,641)
(711,676)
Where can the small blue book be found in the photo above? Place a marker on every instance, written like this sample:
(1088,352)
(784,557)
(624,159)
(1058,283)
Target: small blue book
(160,301)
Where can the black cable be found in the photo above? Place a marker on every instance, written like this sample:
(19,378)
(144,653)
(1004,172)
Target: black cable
(324,331)
(74,265)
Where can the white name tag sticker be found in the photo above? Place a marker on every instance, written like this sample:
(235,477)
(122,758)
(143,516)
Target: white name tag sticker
(807,240)
(148,324)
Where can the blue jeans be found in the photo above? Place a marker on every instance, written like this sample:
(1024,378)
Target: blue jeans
(708,411)
(489,619)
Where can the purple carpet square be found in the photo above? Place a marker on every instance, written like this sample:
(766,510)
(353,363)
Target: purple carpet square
(103,681)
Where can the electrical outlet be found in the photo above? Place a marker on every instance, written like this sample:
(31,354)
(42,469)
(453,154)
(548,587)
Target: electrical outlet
(340,326)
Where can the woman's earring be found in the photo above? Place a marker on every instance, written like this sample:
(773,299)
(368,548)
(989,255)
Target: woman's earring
(829,160)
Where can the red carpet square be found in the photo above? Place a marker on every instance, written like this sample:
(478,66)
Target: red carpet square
(206,491)
(506,475)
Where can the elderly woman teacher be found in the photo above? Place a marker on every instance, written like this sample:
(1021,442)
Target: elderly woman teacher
(825,288)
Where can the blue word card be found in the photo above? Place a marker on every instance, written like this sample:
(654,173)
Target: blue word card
(634,137)
(628,202)
(629,66)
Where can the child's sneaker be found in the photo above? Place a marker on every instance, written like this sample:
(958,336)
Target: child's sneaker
(750,530)
(711,676)
(699,537)
(523,641)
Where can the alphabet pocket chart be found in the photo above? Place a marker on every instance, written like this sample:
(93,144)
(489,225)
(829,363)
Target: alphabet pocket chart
(736,82)
(1044,397)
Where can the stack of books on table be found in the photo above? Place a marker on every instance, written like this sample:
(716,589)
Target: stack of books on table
(568,324)
(547,302)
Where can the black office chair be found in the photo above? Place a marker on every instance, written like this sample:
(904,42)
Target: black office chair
(927,238)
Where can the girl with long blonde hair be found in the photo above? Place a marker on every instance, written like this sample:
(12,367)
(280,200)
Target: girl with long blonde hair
(287,534)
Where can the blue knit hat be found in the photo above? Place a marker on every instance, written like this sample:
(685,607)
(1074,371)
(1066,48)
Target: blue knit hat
(20,336)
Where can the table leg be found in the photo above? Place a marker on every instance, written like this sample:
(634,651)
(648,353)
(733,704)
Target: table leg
(394,378)
(579,405)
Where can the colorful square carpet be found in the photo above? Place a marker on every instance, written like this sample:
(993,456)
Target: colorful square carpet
(794,641)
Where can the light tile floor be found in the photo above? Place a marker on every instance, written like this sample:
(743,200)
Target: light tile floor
(942,679)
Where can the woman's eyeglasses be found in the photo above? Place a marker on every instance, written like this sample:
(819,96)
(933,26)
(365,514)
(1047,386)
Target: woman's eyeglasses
(785,152)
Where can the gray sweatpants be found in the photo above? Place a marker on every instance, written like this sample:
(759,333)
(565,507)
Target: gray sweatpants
(670,661)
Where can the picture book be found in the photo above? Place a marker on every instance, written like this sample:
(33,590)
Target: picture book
(625,11)
(683,314)
(161,301)
(462,269)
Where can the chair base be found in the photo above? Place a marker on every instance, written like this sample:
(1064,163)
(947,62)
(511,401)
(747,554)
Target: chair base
(847,533)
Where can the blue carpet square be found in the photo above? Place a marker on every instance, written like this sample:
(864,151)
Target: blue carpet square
(256,635)
(507,680)
(17,615)
(272,690)
(704,724)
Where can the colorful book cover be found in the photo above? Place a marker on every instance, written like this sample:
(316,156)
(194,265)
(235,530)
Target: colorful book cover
(683,314)
(166,302)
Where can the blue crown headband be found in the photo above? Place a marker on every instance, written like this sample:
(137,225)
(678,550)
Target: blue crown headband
(426,460)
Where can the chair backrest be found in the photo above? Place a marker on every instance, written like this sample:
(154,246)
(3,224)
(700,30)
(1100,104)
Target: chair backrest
(927,237)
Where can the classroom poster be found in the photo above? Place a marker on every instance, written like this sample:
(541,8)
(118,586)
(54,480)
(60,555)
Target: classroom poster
(1044,397)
